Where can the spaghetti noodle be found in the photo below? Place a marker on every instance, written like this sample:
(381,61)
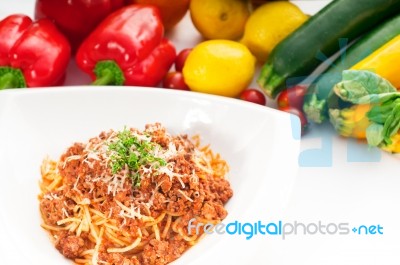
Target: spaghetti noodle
(126,197)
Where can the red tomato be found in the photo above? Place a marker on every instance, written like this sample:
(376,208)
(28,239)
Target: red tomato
(175,80)
(292,97)
(300,114)
(181,59)
(253,95)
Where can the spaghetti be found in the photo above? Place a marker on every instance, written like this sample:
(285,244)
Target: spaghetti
(126,197)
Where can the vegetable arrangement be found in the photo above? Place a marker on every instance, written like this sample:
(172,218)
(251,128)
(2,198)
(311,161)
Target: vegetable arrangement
(315,104)
(363,105)
(115,45)
(123,42)
(339,19)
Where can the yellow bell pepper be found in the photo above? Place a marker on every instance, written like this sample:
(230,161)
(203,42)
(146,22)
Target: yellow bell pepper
(384,62)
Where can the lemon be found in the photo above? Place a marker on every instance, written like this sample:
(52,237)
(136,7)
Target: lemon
(219,19)
(220,67)
(269,24)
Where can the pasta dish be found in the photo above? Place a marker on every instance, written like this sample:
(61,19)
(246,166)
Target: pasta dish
(126,197)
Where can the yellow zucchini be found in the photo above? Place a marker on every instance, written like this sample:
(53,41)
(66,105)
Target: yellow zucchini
(384,62)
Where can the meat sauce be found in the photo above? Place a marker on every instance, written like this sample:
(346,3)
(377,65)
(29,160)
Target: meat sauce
(94,215)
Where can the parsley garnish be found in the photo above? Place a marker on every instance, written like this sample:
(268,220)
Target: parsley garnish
(129,151)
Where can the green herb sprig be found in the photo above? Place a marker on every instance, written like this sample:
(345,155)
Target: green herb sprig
(129,151)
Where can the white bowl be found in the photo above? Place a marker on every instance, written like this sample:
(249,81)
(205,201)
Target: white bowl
(260,144)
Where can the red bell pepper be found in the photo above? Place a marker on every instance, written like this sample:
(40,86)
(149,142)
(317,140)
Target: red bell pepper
(76,19)
(11,29)
(32,54)
(128,48)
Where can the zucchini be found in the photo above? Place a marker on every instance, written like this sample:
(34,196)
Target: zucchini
(384,62)
(315,104)
(295,56)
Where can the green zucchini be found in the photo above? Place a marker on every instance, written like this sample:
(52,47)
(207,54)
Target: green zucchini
(315,104)
(295,56)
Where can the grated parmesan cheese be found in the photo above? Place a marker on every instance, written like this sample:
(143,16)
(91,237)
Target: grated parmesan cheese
(96,153)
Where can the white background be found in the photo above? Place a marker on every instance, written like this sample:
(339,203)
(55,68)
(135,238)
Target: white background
(357,188)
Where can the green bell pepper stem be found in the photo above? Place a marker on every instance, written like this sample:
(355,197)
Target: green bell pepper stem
(11,78)
(108,73)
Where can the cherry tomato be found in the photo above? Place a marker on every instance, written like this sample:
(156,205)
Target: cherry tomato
(253,95)
(292,97)
(175,80)
(300,114)
(181,59)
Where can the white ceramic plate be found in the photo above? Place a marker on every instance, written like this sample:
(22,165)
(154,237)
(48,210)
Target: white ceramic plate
(338,180)
(257,142)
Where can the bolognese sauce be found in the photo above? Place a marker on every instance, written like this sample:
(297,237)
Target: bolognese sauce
(126,197)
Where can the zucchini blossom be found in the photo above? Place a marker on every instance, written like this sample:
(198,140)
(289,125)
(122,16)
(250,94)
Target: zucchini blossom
(366,106)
